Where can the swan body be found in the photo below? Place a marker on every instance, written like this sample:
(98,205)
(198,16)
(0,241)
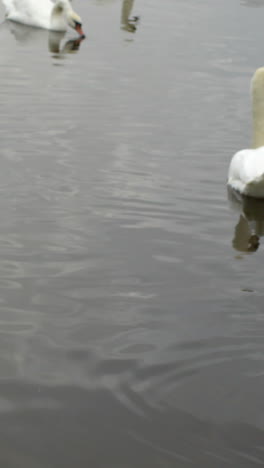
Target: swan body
(43,14)
(246,170)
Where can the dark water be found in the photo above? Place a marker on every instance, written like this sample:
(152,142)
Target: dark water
(131,319)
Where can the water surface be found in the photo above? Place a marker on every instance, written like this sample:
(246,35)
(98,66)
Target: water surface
(131,321)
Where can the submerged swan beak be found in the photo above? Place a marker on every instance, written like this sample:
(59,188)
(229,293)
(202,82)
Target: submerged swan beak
(78,28)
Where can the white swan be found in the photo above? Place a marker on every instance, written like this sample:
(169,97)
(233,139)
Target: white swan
(246,170)
(44,14)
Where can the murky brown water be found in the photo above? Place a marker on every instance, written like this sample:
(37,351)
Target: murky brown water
(131,319)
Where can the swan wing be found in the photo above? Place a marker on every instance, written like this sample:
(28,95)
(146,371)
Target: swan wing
(30,12)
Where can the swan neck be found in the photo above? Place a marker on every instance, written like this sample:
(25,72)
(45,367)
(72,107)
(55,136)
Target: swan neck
(59,14)
(258,108)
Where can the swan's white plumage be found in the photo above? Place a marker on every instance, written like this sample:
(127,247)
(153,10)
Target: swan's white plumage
(40,13)
(246,170)
(30,12)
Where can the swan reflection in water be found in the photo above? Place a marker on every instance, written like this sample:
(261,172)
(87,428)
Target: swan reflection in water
(250,226)
(128,23)
(53,40)
(252,3)
(72,45)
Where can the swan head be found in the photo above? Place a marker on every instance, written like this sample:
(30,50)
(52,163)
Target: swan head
(75,22)
(63,12)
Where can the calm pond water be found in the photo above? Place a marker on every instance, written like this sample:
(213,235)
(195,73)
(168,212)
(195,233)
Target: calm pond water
(131,313)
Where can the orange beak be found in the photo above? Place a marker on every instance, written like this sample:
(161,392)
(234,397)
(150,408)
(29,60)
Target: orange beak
(79,30)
